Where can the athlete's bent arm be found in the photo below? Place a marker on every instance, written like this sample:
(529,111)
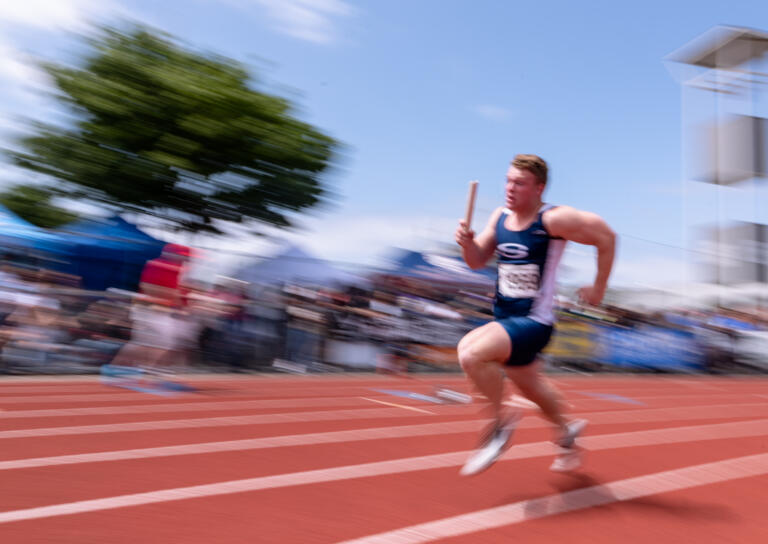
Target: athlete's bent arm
(590,229)
(476,250)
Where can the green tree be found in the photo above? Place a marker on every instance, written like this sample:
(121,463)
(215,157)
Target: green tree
(164,130)
(34,204)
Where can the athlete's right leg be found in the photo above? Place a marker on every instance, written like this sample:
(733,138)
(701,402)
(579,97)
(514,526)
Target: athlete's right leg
(482,353)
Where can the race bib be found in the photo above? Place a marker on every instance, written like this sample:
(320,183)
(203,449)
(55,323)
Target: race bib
(518,280)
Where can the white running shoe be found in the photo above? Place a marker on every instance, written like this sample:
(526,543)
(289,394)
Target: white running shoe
(572,432)
(489,452)
(567,461)
(570,456)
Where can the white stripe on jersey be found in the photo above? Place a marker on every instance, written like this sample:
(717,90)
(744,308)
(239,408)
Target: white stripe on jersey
(543,307)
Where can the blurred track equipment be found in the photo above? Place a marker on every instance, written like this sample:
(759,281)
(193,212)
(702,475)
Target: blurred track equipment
(449,395)
(143,380)
(288,366)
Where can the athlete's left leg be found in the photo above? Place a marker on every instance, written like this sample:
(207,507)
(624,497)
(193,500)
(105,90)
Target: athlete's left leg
(533,385)
(537,388)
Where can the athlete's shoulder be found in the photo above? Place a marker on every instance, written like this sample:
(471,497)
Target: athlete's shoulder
(498,211)
(550,211)
(494,217)
(556,218)
(556,209)
(558,212)
(562,221)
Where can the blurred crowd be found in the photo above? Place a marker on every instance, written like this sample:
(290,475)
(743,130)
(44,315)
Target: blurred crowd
(711,340)
(48,325)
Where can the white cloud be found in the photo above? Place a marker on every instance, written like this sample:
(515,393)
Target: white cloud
(12,67)
(651,271)
(637,270)
(19,73)
(52,14)
(351,240)
(493,113)
(365,240)
(310,20)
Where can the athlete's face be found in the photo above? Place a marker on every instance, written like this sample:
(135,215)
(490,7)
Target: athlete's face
(523,189)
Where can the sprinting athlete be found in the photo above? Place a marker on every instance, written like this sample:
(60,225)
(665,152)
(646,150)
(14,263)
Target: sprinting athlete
(528,238)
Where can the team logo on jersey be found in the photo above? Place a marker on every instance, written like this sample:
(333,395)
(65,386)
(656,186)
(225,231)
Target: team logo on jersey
(512,251)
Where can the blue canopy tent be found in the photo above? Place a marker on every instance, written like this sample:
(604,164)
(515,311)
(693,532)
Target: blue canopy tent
(295,265)
(109,252)
(437,268)
(30,244)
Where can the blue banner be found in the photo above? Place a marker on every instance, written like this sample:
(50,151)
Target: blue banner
(650,347)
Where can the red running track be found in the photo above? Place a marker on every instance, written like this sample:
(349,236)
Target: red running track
(336,459)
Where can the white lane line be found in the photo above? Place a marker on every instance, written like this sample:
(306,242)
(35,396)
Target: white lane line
(205,406)
(376,433)
(716,411)
(52,389)
(413,408)
(262,385)
(551,505)
(245,402)
(695,384)
(44,398)
(380,468)
(258,419)
(185,407)
(353,435)
(579,396)
(521,402)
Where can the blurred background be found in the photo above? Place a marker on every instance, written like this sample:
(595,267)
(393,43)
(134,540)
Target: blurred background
(263,186)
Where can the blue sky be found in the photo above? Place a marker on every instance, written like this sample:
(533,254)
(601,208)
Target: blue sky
(430,94)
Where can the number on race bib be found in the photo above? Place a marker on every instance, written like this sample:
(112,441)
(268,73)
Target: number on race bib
(518,280)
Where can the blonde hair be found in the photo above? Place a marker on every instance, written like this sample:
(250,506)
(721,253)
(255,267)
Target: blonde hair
(534,164)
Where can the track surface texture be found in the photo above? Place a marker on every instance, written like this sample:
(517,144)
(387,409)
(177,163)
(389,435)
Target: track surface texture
(374,459)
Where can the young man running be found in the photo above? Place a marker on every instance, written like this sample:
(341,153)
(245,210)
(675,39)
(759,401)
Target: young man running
(528,238)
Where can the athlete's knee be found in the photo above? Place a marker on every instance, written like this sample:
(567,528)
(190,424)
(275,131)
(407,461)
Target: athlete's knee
(470,356)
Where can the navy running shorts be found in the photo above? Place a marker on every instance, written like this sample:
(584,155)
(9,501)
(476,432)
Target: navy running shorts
(528,338)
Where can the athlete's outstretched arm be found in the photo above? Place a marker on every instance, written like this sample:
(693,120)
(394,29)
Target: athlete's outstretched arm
(590,229)
(476,250)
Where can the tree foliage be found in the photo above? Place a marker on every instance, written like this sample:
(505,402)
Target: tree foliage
(165,130)
(34,205)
